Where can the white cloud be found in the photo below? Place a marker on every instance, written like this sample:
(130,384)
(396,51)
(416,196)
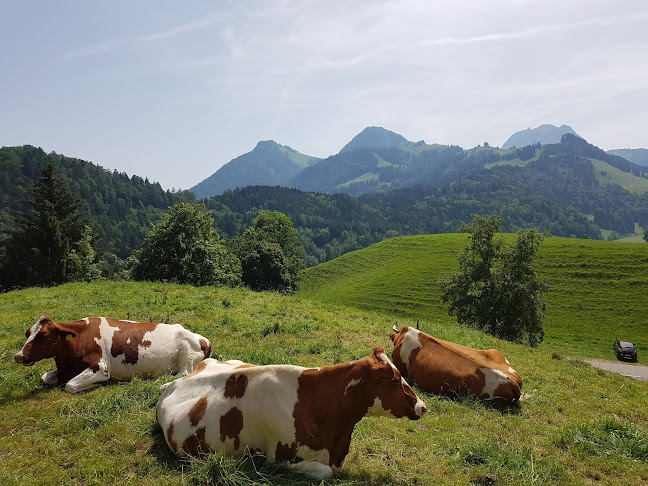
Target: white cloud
(194,26)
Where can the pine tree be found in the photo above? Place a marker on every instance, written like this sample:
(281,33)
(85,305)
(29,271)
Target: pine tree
(36,250)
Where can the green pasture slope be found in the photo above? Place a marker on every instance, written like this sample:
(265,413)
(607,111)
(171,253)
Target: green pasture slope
(575,426)
(597,289)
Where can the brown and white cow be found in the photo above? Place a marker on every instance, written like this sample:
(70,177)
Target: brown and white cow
(447,368)
(97,349)
(304,416)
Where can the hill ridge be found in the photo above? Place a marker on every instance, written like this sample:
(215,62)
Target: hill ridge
(268,163)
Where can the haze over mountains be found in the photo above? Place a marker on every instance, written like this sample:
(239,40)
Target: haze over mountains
(637,156)
(375,160)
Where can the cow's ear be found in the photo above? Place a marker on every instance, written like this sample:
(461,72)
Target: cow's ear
(64,331)
(383,369)
(392,337)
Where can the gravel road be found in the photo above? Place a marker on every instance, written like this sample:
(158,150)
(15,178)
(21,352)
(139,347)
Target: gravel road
(638,372)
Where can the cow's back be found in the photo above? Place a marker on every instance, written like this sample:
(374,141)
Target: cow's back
(441,369)
(228,406)
(147,349)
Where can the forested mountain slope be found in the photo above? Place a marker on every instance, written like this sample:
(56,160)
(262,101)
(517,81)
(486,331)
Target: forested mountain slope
(269,163)
(569,189)
(556,189)
(121,208)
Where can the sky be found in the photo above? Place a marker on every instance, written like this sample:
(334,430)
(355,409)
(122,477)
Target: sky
(172,90)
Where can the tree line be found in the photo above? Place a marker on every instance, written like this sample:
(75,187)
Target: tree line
(52,243)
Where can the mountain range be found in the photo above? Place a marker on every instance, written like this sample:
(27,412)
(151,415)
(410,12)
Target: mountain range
(379,160)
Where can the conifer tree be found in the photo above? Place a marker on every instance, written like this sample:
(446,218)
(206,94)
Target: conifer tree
(36,250)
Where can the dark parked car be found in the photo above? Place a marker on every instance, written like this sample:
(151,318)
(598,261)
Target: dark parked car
(625,350)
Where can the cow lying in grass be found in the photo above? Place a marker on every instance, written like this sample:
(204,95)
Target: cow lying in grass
(97,349)
(447,368)
(301,415)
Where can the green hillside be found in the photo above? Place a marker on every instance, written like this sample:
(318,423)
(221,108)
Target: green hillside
(608,174)
(596,292)
(576,425)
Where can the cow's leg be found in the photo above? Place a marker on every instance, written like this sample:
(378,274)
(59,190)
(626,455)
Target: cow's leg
(50,378)
(188,358)
(184,365)
(312,469)
(87,379)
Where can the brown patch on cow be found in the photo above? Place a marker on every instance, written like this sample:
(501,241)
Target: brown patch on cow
(170,440)
(507,393)
(201,366)
(71,344)
(205,347)
(198,411)
(327,411)
(128,339)
(286,452)
(397,398)
(235,386)
(195,445)
(231,425)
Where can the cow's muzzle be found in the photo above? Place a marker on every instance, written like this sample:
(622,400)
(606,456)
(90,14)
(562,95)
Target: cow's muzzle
(419,409)
(22,359)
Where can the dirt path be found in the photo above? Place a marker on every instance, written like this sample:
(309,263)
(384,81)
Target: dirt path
(638,372)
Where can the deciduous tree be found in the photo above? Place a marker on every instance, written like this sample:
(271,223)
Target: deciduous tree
(496,288)
(270,252)
(185,248)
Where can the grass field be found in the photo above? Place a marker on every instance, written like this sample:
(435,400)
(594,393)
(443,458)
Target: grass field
(596,291)
(576,425)
(608,174)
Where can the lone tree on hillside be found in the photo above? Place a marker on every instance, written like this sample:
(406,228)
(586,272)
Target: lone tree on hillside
(496,289)
(185,248)
(50,244)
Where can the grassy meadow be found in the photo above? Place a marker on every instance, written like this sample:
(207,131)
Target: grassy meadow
(597,289)
(575,425)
